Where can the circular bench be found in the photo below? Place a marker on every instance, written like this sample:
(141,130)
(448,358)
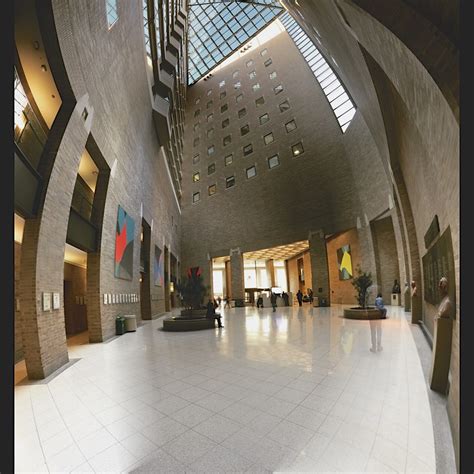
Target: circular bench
(191,324)
(363,314)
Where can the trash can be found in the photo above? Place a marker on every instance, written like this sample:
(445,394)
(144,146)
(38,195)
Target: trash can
(315,301)
(130,322)
(119,325)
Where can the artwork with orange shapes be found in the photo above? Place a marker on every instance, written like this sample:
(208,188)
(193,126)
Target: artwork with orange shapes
(124,236)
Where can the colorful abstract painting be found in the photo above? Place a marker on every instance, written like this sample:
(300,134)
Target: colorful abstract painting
(124,236)
(158,267)
(344,262)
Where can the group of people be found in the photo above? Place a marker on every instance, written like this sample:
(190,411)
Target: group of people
(273,300)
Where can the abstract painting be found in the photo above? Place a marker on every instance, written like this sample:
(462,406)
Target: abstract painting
(158,267)
(124,236)
(344,262)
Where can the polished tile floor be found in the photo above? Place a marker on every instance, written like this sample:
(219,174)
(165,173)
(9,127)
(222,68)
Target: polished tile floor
(296,390)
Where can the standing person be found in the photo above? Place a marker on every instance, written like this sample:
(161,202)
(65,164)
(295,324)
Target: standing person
(380,306)
(260,301)
(227,302)
(286,298)
(211,313)
(310,295)
(273,299)
(219,300)
(299,297)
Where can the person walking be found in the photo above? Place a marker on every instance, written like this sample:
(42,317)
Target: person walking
(260,301)
(211,313)
(273,300)
(299,297)
(227,302)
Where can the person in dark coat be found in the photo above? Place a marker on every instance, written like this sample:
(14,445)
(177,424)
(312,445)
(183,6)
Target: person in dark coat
(273,300)
(211,313)
(259,301)
(299,297)
(286,298)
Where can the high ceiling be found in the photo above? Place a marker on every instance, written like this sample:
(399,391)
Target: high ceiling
(282,252)
(218,28)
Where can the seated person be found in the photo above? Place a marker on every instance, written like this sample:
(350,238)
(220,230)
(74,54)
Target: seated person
(211,313)
(380,306)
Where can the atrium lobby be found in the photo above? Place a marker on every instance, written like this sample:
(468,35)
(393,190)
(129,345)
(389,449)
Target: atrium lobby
(236,237)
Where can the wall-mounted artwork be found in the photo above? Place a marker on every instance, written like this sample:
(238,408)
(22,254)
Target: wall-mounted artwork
(344,262)
(158,267)
(124,236)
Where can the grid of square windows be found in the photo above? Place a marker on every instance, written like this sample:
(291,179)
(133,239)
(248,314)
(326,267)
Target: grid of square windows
(226,140)
(237,85)
(242,112)
(268,138)
(230,181)
(196,127)
(247,149)
(235,74)
(197,112)
(238,98)
(272,75)
(290,126)
(224,108)
(249,63)
(196,158)
(251,172)
(211,189)
(264,52)
(222,83)
(225,123)
(284,106)
(210,150)
(196,197)
(228,159)
(273,161)
(277,89)
(264,118)
(210,133)
(222,94)
(268,62)
(196,177)
(211,168)
(196,141)
(252,75)
(297,149)
(256,87)
(244,130)
(209,104)
(209,92)
(197,101)
(259,102)
(210,117)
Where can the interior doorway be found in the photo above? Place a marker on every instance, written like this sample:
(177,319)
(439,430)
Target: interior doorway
(167,279)
(145,294)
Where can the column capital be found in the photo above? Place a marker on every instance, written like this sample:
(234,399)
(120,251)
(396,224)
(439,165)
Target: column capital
(235,251)
(316,233)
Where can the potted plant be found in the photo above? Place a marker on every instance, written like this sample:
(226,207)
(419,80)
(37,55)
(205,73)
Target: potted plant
(192,290)
(362,282)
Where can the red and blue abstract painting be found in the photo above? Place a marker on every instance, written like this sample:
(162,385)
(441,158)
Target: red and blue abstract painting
(124,237)
(158,267)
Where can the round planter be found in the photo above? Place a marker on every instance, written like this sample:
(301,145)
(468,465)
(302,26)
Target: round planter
(362,313)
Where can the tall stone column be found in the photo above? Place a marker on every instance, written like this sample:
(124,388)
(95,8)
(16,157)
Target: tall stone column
(270,272)
(367,249)
(319,265)
(237,276)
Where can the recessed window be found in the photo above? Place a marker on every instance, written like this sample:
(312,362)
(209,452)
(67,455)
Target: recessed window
(272,75)
(251,172)
(196,127)
(278,89)
(197,112)
(196,177)
(248,149)
(229,181)
(210,150)
(297,149)
(222,94)
(211,168)
(264,52)
(244,130)
(285,105)
(252,75)
(210,133)
(197,101)
(225,123)
(268,138)
(222,83)
(235,74)
(112,13)
(209,104)
(210,117)
(224,108)
(290,126)
(196,158)
(273,161)
(256,87)
(228,160)
(209,92)
(211,189)
(268,62)
(237,85)
(260,101)
(226,140)
(238,98)
(249,63)
(264,118)
(196,141)
(196,196)
(242,112)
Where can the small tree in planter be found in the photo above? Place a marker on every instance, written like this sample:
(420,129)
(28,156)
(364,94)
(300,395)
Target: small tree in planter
(362,282)
(192,289)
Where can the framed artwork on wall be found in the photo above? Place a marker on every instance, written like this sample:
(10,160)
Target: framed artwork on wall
(158,267)
(124,237)
(344,262)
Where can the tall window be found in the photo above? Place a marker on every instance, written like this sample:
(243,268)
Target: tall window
(112,13)
(146,30)
(339,100)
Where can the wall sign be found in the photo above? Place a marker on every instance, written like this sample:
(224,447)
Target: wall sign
(56,301)
(46,301)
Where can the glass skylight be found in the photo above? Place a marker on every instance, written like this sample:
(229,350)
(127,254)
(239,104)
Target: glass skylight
(335,92)
(219,28)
